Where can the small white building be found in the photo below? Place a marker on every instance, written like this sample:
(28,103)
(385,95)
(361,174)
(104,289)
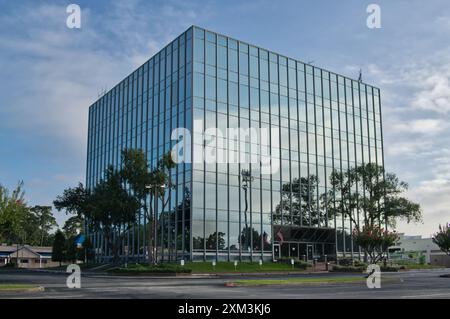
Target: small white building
(27,256)
(416,245)
(407,244)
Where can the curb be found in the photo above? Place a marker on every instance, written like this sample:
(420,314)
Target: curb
(20,290)
(64,273)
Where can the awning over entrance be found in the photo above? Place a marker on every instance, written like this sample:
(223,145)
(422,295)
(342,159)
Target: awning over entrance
(304,234)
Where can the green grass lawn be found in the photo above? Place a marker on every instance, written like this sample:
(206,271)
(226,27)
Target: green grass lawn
(83,266)
(420,266)
(326,280)
(138,269)
(224,267)
(207,267)
(12,287)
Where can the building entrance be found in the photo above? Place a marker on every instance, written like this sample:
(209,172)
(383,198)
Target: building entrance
(305,243)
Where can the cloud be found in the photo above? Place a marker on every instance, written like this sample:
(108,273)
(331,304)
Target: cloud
(427,82)
(441,164)
(435,93)
(415,94)
(55,73)
(420,126)
(443,23)
(50,75)
(407,148)
(435,202)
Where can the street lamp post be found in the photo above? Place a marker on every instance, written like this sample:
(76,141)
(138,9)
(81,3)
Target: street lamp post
(154,187)
(246,178)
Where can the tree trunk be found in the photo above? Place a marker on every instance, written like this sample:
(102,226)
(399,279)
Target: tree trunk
(150,243)
(150,233)
(111,241)
(116,248)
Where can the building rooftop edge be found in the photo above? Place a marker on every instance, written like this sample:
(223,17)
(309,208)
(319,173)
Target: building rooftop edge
(192,26)
(285,56)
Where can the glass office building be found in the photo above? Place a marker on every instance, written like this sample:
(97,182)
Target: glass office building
(235,211)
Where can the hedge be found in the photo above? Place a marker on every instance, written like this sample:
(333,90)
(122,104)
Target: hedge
(158,269)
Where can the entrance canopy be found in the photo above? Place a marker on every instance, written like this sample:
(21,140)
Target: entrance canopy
(287,233)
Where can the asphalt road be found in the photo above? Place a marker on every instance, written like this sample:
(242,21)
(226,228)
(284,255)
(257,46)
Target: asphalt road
(411,284)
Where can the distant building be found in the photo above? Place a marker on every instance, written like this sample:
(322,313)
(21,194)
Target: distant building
(409,247)
(27,256)
(407,244)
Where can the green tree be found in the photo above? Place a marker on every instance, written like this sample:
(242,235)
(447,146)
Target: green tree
(374,241)
(378,197)
(59,245)
(45,221)
(113,209)
(139,176)
(371,199)
(13,210)
(442,239)
(48,241)
(78,202)
(36,225)
(248,235)
(71,250)
(29,229)
(87,252)
(22,224)
(75,201)
(300,202)
(216,239)
(73,226)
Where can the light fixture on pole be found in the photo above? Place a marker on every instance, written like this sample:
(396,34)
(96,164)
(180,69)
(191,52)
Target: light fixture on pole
(154,188)
(246,178)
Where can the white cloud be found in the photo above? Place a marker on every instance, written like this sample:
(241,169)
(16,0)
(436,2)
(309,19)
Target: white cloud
(443,23)
(407,148)
(435,92)
(420,126)
(51,74)
(416,113)
(433,195)
(55,73)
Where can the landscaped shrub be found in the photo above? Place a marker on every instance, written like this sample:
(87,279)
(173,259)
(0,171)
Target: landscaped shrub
(341,268)
(390,268)
(351,262)
(422,259)
(298,263)
(361,269)
(359,263)
(346,262)
(154,269)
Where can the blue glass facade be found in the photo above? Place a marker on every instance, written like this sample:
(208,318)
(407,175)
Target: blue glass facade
(141,112)
(323,121)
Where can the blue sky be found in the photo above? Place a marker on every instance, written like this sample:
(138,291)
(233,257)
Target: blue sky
(50,74)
